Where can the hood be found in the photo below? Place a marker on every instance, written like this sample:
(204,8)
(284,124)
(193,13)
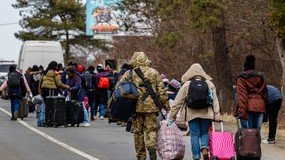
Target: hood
(139,59)
(195,70)
(253,77)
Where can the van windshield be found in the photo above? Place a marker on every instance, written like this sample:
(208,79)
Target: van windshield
(4,68)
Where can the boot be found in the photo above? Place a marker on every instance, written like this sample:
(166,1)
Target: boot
(152,153)
(205,154)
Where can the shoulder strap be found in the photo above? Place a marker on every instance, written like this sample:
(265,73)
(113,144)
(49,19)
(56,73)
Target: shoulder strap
(131,75)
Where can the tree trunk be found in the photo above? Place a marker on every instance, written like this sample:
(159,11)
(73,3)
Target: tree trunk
(224,82)
(281,50)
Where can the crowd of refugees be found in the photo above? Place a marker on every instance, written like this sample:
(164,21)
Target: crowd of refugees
(256,101)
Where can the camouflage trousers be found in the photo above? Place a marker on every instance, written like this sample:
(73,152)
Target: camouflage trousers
(144,123)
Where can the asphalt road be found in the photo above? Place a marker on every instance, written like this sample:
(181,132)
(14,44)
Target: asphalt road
(23,140)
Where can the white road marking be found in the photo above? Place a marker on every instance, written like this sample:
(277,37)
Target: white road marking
(85,155)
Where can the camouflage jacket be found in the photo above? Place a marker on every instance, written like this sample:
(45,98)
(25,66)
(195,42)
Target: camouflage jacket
(139,59)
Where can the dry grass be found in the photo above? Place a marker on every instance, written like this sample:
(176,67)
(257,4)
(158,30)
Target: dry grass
(232,120)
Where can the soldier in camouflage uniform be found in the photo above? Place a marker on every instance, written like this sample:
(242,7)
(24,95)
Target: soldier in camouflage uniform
(146,111)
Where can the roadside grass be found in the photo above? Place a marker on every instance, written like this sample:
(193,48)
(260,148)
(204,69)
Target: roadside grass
(265,127)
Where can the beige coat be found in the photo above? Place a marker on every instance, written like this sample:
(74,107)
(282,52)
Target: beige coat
(186,113)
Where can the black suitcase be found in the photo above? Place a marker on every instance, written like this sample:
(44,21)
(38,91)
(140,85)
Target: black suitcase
(55,114)
(74,113)
(247,143)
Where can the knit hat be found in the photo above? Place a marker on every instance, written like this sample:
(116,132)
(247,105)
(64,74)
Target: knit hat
(80,68)
(249,62)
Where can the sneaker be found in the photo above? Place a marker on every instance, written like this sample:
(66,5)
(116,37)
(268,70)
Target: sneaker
(15,115)
(266,141)
(86,125)
(101,117)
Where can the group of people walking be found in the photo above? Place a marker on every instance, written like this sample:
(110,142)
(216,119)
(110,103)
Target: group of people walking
(255,99)
(55,80)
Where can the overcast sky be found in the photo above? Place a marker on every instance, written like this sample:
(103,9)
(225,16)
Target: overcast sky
(9,18)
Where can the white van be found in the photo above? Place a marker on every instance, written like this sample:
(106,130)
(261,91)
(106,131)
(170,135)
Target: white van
(39,53)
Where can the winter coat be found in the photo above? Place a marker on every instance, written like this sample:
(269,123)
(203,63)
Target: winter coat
(273,94)
(51,81)
(139,59)
(251,93)
(77,92)
(35,81)
(188,114)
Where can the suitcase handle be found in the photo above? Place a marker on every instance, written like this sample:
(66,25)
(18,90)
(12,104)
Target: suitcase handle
(218,121)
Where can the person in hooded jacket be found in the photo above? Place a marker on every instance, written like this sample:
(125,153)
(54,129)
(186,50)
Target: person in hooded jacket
(16,93)
(145,126)
(199,120)
(252,96)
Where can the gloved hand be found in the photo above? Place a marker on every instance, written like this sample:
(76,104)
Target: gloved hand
(169,122)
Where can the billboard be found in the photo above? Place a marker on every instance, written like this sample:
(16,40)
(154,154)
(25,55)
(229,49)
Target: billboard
(100,19)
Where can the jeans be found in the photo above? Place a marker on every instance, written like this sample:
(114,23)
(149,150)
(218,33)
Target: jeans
(254,120)
(91,101)
(41,114)
(273,110)
(86,120)
(15,104)
(199,132)
(102,109)
(243,123)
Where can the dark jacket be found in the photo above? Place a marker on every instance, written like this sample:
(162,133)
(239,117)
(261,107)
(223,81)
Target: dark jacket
(77,92)
(273,94)
(251,93)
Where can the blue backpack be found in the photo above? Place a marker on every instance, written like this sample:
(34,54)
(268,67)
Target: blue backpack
(126,89)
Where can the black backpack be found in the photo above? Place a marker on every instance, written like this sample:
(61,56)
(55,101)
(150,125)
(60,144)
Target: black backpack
(198,94)
(87,76)
(14,79)
(83,82)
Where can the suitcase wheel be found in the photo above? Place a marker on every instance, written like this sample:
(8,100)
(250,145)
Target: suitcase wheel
(233,158)
(215,158)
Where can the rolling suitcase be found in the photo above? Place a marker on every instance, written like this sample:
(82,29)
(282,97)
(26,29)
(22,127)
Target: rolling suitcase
(74,113)
(247,143)
(221,144)
(24,108)
(55,113)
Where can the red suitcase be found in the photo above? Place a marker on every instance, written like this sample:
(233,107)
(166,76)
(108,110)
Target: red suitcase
(221,144)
